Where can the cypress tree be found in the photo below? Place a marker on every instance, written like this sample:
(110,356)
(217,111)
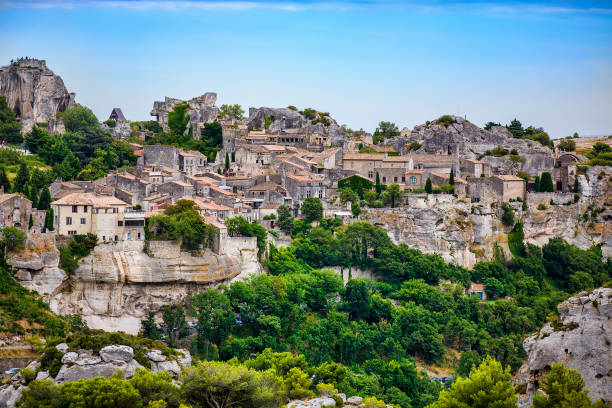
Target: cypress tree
(227,161)
(4,181)
(576,186)
(33,196)
(233,157)
(31,222)
(22,179)
(48,220)
(536,184)
(428,187)
(451,179)
(44,201)
(546,183)
(378,187)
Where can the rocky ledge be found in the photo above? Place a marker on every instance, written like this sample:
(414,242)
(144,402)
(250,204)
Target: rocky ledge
(580,339)
(84,364)
(327,401)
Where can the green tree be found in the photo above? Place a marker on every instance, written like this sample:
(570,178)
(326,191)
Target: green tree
(30,222)
(546,183)
(48,220)
(516,128)
(38,140)
(100,392)
(149,328)
(10,128)
(567,145)
(494,288)
(155,387)
(564,388)
(508,214)
(79,119)
(285,219)
(44,203)
(33,195)
(378,186)
(12,238)
(312,209)
(4,181)
(356,209)
(358,299)
(22,179)
(576,185)
(536,184)
(69,167)
(234,111)
(178,119)
(227,161)
(347,194)
(488,386)
(41,394)
(213,384)
(215,318)
(451,179)
(392,194)
(489,125)
(385,130)
(174,325)
(428,187)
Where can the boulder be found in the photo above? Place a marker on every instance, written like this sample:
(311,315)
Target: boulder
(582,343)
(322,402)
(117,353)
(156,356)
(185,360)
(77,372)
(354,400)
(42,375)
(62,347)
(70,357)
(88,361)
(170,366)
(10,394)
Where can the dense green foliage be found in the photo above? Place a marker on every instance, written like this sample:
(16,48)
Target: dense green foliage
(564,387)
(600,155)
(181,222)
(532,133)
(240,225)
(231,111)
(546,183)
(567,145)
(385,130)
(312,209)
(446,120)
(78,247)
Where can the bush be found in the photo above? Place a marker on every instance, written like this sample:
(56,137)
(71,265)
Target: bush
(542,207)
(446,120)
(508,215)
(27,374)
(111,123)
(13,238)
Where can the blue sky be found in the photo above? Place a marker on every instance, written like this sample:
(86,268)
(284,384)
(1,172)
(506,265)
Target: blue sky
(547,63)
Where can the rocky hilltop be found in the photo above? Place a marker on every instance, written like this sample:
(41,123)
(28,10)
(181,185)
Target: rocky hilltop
(468,141)
(291,121)
(117,284)
(34,93)
(580,339)
(202,110)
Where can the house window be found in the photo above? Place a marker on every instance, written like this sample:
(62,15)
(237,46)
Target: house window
(384,179)
(116,238)
(75,208)
(139,236)
(129,236)
(320,193)
(412,180)
(84,208)
(115,210)
(395,179)
(103,237)
(370,174)
(68,220)
(83,221)
(106,211)
(120,223)
(403,179)
(307,193)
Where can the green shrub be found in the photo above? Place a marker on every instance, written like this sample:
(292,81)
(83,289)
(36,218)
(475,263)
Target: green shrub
(508,215)
(111,123)
(446,120)
(542,207)
(27,374)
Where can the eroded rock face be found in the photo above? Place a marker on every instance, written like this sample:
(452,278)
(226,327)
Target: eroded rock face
(467,140)
(288,120)
(202,110)
(583,342)
(34,93)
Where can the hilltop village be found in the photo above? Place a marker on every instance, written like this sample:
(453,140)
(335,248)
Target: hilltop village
(106,205)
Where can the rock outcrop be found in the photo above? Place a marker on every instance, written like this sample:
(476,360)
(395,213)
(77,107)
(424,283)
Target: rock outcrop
(83,364)
(285,120)
(328,402)
(468,141)
(582,339)
(34,93)
(202,110)
(464,233)
(118,284)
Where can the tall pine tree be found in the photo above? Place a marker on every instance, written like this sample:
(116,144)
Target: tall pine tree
(451,179)
(378,186)
(4,181)
(428,187)
(48,220)
(45,199)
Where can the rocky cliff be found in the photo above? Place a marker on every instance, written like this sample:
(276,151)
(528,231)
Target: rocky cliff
(290,121)
(34,93)
(581,339)
(202,110)
(464,233)
(117,284)
(469,141)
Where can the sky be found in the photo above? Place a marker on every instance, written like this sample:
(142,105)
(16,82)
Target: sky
(546,63)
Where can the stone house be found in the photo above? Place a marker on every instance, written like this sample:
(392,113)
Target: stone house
(176,189)
(268,192)
(192,162)
(105,216)
(162,155)
(415,178)
(438,179)
(15,211)
(474,168)
(328,158)
(303,186)
(478,289)
(117,115)
(130,188)
(506,187)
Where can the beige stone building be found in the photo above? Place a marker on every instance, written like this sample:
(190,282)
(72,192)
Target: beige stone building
(106,216)
(506,187)
(15,211)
